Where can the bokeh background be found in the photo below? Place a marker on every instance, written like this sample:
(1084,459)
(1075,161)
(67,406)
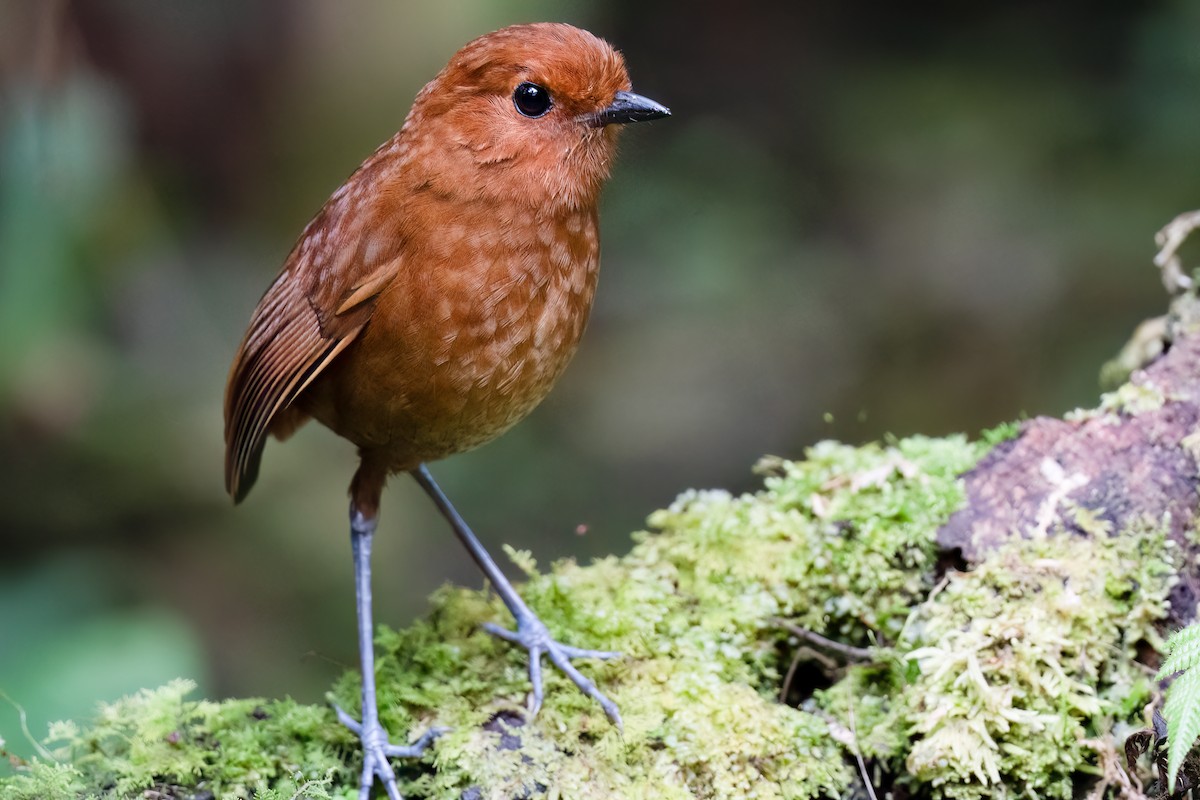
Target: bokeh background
(862,219)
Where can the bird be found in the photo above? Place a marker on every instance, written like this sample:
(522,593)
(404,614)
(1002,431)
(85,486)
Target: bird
(435,299)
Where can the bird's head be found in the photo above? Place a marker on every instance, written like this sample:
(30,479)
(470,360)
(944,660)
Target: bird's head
(529,111)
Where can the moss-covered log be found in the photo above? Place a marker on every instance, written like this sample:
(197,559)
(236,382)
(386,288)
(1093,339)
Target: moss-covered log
(813,639)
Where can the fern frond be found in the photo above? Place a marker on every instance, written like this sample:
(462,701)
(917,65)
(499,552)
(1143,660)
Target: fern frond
(1184,651)
(1182,711)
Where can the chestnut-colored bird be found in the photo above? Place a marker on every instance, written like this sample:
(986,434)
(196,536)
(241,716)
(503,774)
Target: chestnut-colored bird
(438,295)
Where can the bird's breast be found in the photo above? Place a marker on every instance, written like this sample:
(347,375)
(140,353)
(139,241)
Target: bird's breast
(510,329)
(468,341)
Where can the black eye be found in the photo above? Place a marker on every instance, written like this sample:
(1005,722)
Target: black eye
(531,100)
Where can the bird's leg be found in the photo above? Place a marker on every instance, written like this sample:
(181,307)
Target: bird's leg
(531,632)
(376,747)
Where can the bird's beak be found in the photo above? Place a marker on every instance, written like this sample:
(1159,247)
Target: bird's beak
(629,107)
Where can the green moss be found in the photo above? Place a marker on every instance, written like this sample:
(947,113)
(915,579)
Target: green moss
(841,543)
(1001,433)
(159,739)
(1001,678)
(44,781)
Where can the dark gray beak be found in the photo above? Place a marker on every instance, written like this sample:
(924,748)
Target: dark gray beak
(629,107)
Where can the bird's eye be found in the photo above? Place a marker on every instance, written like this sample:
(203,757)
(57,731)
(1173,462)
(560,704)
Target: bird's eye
(531,100)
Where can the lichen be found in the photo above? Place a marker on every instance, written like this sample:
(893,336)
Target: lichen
(1132,398)
(998,673)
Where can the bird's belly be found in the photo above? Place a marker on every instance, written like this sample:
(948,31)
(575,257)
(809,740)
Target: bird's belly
(409,394)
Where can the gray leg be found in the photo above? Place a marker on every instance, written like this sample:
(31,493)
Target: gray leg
(376,748)
(531,632)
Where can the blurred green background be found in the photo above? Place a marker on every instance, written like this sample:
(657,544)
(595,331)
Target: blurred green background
(863,218)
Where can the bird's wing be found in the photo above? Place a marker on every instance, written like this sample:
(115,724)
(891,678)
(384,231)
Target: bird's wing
(317,306)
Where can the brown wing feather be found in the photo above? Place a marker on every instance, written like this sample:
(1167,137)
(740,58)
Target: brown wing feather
(283,351)
(317,307)
(319,304)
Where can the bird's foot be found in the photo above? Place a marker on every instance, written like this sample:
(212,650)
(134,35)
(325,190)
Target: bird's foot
(532,634)
(377,750)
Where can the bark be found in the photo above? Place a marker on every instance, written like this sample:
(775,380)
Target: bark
(1122,464)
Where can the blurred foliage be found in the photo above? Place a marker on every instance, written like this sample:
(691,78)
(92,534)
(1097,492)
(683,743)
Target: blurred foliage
(919,218)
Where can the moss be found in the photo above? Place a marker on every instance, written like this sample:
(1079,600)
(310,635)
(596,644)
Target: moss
(841,543)
(159,739)
(43,781)
(1002,677)
(1001,433)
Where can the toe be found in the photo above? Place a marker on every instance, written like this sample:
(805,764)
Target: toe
(579,652)
(417,748)
(347,720)
(587,687)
